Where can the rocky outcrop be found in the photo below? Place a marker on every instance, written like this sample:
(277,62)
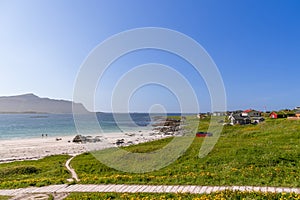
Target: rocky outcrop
(120,141)
(86,139)
(169,127)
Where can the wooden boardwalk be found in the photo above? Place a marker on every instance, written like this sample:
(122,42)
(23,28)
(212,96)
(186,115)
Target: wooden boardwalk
(64,188)
(59,192)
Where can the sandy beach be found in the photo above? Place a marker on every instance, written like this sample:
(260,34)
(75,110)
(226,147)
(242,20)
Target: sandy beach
(36,148)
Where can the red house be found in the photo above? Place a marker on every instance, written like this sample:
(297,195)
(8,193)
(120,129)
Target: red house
(273,115)
(277,115)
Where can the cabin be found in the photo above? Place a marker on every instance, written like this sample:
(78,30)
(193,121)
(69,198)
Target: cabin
(276,115)
(281,114)
(251,113)
(218,113)
(238,118)
(257,120)
(246,117)
(273,115)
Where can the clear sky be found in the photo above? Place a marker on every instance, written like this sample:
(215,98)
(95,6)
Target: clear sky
(254,43)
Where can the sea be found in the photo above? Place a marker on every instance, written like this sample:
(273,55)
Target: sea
(25,126)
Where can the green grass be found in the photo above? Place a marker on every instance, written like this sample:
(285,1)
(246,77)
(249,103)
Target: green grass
(169,196)
(267,154)
(4,197)
(46,171)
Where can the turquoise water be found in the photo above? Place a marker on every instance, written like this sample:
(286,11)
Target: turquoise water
(20,126)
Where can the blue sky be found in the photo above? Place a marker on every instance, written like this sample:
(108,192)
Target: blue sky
(255,44)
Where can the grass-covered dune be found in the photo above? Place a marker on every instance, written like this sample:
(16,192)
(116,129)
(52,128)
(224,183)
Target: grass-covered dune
(267,154)
(46,171)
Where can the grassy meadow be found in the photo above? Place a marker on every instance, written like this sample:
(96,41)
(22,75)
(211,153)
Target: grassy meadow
(5,197)
(46,171)
(267,154)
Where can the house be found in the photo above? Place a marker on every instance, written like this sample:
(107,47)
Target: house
(246,117)
(257,120)
(282,114)
(242,120)
(238,118)
(218,113)
(273,115)
(251,113)
(276,115)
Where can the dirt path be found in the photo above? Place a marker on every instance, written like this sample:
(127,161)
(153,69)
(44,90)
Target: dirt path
(73,173)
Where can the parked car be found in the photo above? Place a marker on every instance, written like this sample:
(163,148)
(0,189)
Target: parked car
(203,134)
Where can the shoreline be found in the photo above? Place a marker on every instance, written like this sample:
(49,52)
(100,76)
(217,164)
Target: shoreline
(37,148)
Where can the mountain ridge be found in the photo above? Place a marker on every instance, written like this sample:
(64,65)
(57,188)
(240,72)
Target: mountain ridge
(31,103)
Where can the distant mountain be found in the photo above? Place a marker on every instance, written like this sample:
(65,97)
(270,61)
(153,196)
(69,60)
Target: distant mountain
(30,103)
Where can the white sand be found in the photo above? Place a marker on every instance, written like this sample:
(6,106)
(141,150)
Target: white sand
(28,149)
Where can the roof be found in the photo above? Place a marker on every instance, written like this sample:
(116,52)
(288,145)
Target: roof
(239,117)
(250,110)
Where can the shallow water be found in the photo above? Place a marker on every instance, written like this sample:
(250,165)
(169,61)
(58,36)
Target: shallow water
(21,126)
(17,126)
